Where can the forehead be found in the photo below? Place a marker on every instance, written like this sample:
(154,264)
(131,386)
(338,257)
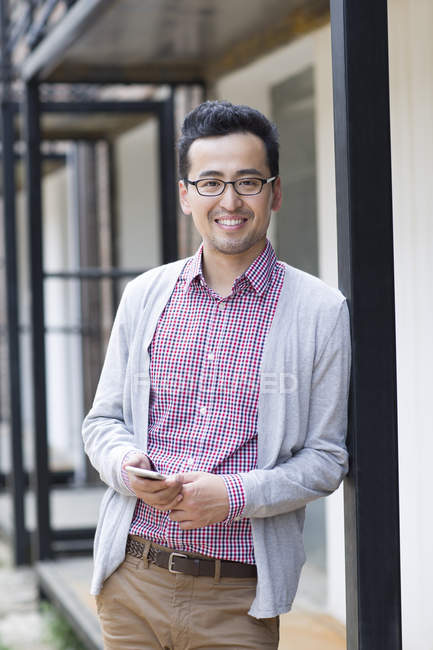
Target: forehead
(228,154)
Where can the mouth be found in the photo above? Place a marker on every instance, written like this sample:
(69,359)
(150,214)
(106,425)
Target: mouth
(231,223)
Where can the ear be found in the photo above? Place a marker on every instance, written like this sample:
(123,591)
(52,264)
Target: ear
(184,198)
(276,195)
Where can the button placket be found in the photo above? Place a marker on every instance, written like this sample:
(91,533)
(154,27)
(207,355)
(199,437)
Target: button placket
(214,335)
(223,311)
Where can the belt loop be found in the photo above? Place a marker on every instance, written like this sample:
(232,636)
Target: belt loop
(217,575)
(145,558)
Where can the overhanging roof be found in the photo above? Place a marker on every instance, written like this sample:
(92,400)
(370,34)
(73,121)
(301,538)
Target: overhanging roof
(162,41)
(84,126)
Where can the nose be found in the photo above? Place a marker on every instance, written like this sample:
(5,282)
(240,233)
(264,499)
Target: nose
(230,200)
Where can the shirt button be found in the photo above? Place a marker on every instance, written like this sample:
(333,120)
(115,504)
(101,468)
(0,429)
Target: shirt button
(210,356)
(190,461)
(203,410)
(221,306)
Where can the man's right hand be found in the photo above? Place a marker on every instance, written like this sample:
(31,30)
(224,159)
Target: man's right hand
(162,495)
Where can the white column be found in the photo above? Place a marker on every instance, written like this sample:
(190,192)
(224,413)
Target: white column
(411,64)
(57,294)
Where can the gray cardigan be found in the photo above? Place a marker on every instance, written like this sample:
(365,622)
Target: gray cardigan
(302,420)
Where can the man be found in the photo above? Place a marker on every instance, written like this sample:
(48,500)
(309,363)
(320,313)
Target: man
(227,372)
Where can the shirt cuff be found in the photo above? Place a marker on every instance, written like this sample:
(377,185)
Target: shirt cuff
(124,473)
(236,494)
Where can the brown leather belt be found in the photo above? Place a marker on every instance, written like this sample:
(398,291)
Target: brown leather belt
(177,562)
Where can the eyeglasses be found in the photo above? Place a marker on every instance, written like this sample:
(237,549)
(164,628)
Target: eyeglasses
(243,186)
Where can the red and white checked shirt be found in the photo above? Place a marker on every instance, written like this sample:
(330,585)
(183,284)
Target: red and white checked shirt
(204,388)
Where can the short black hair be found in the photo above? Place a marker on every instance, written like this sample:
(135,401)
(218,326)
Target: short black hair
(213,118)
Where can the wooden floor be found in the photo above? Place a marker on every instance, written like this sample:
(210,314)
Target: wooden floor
(67,583)
(304,630)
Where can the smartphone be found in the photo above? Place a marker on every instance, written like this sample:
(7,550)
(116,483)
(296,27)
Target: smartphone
(145,473)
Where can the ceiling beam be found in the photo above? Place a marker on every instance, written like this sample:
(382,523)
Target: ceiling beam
(48,54)
(145,73)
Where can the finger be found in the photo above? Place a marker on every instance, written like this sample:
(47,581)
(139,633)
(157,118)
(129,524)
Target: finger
(169,506)
(163,498)
(178,514)
(176,501)
(178,504)
(151,486)
(143,488)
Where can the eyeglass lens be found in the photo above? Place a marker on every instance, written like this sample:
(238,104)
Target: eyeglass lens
(214,186)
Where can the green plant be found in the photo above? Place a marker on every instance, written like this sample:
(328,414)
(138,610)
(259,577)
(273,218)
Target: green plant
(58,630)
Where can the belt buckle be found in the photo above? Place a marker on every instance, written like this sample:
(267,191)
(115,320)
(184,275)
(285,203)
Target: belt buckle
(171,560)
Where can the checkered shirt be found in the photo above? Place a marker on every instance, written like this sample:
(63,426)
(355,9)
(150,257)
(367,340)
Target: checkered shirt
(204,374)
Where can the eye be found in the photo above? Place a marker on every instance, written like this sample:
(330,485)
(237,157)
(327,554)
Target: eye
(249,182)
(210,183)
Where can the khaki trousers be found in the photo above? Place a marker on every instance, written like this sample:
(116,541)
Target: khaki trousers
(144,606)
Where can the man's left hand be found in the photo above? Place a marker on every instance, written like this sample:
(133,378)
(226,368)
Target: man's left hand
(205,501)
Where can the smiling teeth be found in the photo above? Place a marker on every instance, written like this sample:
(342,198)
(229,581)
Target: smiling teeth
(230,222)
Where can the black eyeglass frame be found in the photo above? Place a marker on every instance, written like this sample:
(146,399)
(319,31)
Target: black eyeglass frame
(263,181)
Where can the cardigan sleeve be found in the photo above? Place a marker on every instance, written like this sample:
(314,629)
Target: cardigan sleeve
(318,468)
(106,437)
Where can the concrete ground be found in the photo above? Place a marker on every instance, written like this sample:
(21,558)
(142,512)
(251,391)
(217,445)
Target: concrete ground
(21,624)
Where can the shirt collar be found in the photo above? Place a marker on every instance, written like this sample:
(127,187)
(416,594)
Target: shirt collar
(258,274)
(194,268)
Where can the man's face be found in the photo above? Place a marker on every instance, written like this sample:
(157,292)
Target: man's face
(230,157)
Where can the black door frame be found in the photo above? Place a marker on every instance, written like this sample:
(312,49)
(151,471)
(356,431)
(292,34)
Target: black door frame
(47,540)
(366,277)
(16,481)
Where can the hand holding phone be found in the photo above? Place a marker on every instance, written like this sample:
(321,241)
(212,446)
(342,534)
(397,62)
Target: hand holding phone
(161,492)
(145,473)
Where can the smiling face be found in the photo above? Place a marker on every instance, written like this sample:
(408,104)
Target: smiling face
(230,224)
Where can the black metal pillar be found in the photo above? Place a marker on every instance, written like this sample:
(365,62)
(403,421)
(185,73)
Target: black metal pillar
(167,176)
(366,277)
(17,477)
(114,226)
(43,533)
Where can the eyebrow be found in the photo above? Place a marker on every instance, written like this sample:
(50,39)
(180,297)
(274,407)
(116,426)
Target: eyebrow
(241,172)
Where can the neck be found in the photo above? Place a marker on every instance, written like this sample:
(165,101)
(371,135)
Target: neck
(220,270)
